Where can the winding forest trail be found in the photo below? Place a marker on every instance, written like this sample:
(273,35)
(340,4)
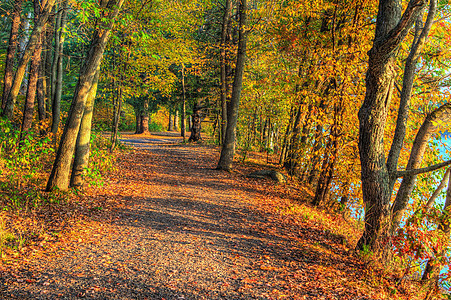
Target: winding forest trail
(186,231)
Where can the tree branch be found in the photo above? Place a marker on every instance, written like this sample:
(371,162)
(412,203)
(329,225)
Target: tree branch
(423,170)
(397,34)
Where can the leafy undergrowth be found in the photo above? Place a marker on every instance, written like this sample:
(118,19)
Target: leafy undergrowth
(33,221)
(298,252)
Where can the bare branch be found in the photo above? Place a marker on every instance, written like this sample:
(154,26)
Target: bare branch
(423,170)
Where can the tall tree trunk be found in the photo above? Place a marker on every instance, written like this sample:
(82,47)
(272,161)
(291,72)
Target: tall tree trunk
(176,119)
(57,82)
(26,56)
(391,29)
(183,123)
(47,78)
(285,138)
(28,111)
(224,62)
(82,147)
(427,129)
(421,34)
(59,177)
(293,146)
(116,118)
(11,51)
(228,148)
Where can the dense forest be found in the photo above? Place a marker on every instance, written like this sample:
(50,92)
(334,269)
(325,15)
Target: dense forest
(348,98)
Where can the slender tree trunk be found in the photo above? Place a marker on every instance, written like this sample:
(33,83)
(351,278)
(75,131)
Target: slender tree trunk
(58,67)
(421,34)
(59,177)
(228,148)
(47,79)
(290,163)
(28,111)
(176,119)
(285,138)
(11,51)
(26,56)
(224,90)
(183,123)
(82,147)
(391,29)
(116,119)
(427,129)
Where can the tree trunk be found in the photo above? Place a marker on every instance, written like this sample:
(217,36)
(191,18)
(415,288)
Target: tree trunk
(116,118)
(224,85)
(285,138)
(228,148)
(145,123)
(47,79)
(11,51)
(290,163)
(23,62)
(421,34)
(28,111)
(427,129)
(196,125)
(82,147)
(138,122)
(391,29)
(170,123)
(183,123)
(176,120)
(57,83)
(59,177)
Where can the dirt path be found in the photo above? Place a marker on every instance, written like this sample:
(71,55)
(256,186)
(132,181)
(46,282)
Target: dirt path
(187,231)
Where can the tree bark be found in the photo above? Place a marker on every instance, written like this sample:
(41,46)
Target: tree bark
(427,129)
(59,177)
(170,122)
(11,51)
(138,122)
(391,29)
(228,148)
(196,126)
(28,111)
(82,147)
(183,123)
(223,78)
(57,82)
(421,34)
(176,119)
(23,62)
(47,78)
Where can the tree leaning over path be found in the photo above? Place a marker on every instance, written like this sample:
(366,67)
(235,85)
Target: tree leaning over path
(59,177)
(228,148)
